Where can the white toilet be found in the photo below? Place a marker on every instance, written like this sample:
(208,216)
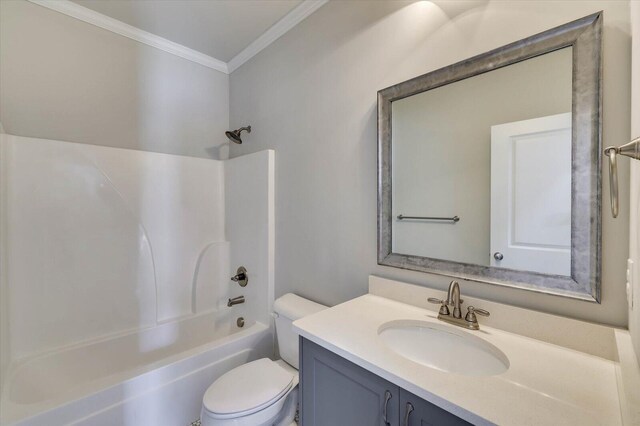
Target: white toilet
(262,392)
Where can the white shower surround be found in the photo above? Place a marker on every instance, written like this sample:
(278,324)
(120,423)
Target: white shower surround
(127,250)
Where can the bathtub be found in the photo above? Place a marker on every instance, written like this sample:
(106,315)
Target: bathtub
(155,376)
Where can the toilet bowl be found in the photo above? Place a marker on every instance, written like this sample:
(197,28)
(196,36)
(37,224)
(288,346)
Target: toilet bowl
(262,392)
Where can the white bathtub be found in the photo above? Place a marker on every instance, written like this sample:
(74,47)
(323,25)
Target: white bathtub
(153,377)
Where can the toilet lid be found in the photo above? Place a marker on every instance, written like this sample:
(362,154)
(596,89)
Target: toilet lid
(248,388)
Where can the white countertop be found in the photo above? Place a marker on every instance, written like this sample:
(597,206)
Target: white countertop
(545,384)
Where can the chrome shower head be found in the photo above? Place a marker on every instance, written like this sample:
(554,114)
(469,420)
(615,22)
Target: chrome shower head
(234,135)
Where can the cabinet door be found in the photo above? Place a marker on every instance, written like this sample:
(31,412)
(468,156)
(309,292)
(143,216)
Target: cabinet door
(415,411)
(336,392)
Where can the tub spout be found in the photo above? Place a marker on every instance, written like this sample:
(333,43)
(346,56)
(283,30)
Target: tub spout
(235,301)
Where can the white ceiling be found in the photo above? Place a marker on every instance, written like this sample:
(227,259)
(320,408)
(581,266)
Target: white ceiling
(218,28)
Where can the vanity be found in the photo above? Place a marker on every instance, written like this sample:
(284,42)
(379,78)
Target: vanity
(380,359)
(338,391)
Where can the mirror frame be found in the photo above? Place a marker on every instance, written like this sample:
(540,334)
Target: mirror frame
(585,37)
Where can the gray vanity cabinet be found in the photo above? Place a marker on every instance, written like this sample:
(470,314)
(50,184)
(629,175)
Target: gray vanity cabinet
(336,392)
(415,411)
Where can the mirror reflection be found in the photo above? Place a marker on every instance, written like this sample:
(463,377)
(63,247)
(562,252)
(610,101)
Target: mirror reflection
(481,168)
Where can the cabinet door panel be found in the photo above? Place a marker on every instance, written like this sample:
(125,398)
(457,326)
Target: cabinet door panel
(425,413)
(335,391)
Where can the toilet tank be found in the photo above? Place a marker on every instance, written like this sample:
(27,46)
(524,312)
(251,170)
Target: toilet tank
(289,308)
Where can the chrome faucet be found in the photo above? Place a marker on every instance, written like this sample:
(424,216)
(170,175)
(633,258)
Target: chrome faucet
(453,298)
(469,321)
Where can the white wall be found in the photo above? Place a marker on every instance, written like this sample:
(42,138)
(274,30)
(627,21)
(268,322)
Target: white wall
(634,234)
(249,206)
(311,96)
(64,79)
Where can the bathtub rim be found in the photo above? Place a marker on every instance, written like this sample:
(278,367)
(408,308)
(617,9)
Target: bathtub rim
(18,362)
(14,413)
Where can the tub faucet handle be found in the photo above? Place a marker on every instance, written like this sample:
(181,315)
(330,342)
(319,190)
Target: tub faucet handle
(241,276)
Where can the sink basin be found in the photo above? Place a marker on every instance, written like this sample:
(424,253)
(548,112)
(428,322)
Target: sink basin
(443,348)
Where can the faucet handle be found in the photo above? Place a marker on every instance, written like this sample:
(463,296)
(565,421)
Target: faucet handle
(444,309)
(479,311)
(471,314)
(241,276)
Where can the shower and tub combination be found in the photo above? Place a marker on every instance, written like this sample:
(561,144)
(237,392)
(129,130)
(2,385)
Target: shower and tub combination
(116,300)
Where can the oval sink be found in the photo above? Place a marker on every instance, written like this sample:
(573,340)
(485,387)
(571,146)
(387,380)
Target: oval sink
(443,348)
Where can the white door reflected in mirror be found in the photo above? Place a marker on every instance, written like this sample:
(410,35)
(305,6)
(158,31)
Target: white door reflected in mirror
(531,195)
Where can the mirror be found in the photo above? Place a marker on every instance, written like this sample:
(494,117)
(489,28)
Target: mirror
(489,169)
(498,185)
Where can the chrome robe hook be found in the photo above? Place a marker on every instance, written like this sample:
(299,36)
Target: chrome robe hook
(632,149)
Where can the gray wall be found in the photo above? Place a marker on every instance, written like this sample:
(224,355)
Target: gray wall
(61,78)
(311,96)
(634,243)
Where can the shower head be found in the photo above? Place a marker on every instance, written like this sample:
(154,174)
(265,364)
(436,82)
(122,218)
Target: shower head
(234,135)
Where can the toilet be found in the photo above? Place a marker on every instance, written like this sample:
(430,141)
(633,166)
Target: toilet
(262,392)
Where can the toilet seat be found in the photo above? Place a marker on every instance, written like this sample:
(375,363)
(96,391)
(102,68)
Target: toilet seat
(247,389)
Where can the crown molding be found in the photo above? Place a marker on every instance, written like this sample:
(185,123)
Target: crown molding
(290,20)
(89,16)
